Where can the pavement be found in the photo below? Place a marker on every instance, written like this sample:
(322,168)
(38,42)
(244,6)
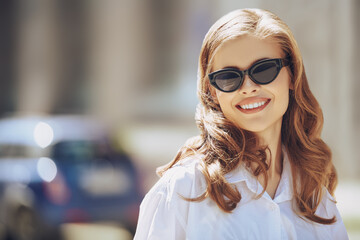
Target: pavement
(94,232)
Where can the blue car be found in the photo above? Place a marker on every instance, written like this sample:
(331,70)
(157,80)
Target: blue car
(65,169)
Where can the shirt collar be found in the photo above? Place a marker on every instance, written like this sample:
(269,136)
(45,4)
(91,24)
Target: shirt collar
(284,190)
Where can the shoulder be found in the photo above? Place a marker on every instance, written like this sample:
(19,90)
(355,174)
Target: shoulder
(164,211)
(184,178)
(327,205)
(328,209)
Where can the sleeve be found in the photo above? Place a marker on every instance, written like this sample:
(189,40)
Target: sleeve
(329,209)
(157,220)
(163,212)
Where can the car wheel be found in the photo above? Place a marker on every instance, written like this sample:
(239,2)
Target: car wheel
(3,232)
(25,225)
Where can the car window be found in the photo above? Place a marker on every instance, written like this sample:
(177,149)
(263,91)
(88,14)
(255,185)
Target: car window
(76,151)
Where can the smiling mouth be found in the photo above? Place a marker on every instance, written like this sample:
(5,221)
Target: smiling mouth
(253,107)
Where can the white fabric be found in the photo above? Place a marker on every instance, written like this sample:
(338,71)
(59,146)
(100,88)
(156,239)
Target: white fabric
(165,215)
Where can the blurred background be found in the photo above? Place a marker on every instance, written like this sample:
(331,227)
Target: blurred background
(129,67)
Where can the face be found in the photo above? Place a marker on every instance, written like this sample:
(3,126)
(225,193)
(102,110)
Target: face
(253,107)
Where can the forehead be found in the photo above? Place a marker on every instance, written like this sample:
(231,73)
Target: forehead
(242,52)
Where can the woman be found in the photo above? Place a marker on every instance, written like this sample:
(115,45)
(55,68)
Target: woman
(259,169)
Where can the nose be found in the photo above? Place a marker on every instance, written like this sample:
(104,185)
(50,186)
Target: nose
(248,86)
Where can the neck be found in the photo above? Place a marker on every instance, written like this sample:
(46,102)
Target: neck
(272,139)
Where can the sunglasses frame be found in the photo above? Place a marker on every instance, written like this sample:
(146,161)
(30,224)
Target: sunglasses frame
(280,63)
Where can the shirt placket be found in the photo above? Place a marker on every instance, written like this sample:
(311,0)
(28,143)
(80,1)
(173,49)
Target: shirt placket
(275,222)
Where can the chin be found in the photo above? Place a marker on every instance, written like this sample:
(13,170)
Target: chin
(259,128)
(251,128)
(254,129)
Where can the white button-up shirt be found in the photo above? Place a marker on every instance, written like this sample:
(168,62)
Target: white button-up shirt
(164,214)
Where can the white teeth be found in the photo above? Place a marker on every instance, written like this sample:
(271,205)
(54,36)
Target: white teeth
(252,106)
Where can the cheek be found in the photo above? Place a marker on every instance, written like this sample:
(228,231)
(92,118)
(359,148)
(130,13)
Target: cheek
(226,104)
(225,101)
(283,101)
(281,93)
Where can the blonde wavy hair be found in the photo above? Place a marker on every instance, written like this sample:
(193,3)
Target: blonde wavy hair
(224,145)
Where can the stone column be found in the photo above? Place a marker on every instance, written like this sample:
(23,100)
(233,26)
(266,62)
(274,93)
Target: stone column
(119,58)
(37,57)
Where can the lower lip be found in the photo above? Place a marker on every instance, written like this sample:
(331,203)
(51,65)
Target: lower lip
(254,110)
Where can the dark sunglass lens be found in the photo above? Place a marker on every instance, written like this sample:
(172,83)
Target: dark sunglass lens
(228,81)
(265,72)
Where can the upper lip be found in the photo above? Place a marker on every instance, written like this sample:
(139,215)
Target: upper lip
(251,100)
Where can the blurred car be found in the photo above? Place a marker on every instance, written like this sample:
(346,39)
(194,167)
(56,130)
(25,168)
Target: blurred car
(63,169)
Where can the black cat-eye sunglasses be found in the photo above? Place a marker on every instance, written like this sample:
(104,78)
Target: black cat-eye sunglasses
(262,72)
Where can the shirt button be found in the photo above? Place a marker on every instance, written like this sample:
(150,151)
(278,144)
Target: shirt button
(272,207)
